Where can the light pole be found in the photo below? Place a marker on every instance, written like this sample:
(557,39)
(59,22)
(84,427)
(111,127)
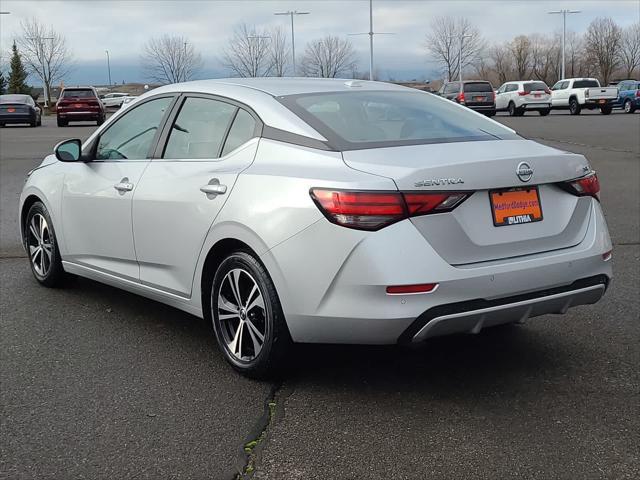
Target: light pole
(109,68)
(292,13)
(461,37)
(371,33)
(564,32)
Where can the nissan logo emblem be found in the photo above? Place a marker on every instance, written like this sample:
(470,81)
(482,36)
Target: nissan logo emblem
(524,171)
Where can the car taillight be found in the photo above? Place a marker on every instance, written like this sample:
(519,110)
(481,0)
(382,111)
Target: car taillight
(586,92)
(460,97)
(376,210)
(411,289)
(522,94)
(547,91)
(585,186)
(637,93)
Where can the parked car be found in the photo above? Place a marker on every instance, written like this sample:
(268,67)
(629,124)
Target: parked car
(319,210)
(520,97)
(113,99)
(628,95)
(477,95)
(79,104)
(17,109)
(578,93)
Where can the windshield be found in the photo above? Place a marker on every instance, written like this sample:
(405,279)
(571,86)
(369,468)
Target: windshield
(371,119)
(478,87)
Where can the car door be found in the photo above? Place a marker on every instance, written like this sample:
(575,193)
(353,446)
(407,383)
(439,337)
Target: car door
(97,194)
(560,96)
(500,101)
(208,144)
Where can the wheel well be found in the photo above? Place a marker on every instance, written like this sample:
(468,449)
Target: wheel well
(216,255)
(28,202)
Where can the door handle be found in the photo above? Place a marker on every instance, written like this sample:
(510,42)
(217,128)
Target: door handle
(124,185)
(214,188)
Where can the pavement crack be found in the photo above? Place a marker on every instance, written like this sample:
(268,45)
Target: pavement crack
(255,441)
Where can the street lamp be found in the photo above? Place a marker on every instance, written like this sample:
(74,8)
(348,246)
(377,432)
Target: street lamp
(371,33)
(109,68)
(461,37)
(292,13)
(564,31)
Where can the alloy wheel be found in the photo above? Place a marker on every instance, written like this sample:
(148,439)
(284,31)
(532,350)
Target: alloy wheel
(241,314)
(40,244)
(627,106)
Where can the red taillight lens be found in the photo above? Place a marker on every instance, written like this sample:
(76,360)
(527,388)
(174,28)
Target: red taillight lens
(375,210)
(411,289)
(547,91)
(585,186)
(637,93)
(522,94)
(460,97)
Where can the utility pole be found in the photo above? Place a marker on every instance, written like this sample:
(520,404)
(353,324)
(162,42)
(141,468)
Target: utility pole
(109,68)
(564,32)
(371,33)
(291,13)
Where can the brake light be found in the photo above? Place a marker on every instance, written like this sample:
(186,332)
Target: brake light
(375,210)
(460,97)
(522,94)
(586,92)
(412,289)
(637,93)
(587,186)
(547,91)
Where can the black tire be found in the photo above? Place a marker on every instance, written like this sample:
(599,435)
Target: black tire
(100,121)
(39,124)
(62,123)
(545,112)
(629,107)
(267,320)
(574,107)
(490,113)
(512,109)
(606,110)
(46,267)
(33,123)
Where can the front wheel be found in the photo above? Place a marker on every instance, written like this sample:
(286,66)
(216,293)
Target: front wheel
(247,317)
(628,106)
(100,120)
(42,247)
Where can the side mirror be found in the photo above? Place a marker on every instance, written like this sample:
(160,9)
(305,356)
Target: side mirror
(68,150)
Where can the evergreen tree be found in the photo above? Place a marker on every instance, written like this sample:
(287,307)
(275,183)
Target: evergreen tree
(3,83)
(18,74)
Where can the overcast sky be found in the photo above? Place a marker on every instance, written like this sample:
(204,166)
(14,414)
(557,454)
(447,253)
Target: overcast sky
(122,27)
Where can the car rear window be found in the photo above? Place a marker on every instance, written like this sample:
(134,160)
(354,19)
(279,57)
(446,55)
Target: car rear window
(13,99)
(478,87)
(585,84)
(371,119)
(534,87)
(78,93)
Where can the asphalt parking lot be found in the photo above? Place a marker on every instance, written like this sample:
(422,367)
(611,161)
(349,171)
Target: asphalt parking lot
(99,383)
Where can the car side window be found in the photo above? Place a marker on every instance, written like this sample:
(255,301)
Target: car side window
(502,88)
(242,130)
(130,137)
(199,129)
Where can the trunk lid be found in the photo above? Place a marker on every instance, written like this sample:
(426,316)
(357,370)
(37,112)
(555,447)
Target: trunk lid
(604,93)
(467,234)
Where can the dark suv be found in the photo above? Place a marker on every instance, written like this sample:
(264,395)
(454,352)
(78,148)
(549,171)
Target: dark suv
(79,104)
(478,95)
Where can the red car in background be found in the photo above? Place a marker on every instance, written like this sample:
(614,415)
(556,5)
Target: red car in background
(79,104)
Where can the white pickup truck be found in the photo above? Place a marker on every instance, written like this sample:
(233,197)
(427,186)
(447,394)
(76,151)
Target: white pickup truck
(578,93)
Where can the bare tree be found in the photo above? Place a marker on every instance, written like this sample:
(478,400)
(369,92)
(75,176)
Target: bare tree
(521,50)
(545,58)
(602,42)
(630,49)
(249,54)
(443,43)
(576,63)
(502,64)
(170,59)
(45,53)
(279,52)
(328,57)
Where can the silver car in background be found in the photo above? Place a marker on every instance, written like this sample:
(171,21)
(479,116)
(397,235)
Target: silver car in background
(314,210)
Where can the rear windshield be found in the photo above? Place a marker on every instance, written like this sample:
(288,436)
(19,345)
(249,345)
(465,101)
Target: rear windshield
(478,87)
(535,87)
(13,99)
(585,84)
(371,119)
(78,93)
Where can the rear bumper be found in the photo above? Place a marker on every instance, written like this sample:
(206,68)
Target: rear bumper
(16,118)
(80,115)
(536,106)
(593,103)
(482,108)
(473,316)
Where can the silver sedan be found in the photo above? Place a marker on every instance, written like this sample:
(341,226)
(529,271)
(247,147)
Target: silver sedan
(312,210)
